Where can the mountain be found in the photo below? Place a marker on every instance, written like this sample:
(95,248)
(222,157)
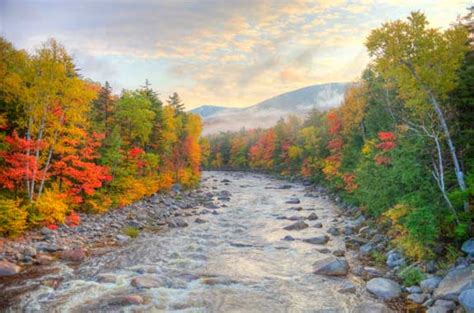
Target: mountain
(266,113)
(206,111)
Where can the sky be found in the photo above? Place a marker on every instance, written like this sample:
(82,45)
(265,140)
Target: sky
(220,52)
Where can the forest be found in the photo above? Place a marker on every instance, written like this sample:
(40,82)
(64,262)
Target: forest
(68,144)
(400,146)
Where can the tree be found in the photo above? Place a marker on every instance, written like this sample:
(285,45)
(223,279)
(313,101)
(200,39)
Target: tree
(423,63)
(175,102)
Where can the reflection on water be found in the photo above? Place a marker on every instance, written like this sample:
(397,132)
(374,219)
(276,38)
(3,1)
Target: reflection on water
(236,262)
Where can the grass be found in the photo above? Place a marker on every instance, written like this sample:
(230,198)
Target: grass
(411,276)
(131,231)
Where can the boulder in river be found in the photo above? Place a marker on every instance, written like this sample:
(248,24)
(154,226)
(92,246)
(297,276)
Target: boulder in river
(126,300)
(8,268)
(200,221)
(293,200)
(74,255)
(288,238)
(177,222)
(296,226)
(317,240)
(455,282)
(384,288)
(145,282)
(331,266)
(312,217)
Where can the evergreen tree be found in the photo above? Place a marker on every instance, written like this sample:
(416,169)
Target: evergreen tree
(175,102)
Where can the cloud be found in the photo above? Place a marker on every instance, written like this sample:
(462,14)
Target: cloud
(233,52)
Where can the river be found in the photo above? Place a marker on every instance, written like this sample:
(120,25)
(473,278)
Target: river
(235,262)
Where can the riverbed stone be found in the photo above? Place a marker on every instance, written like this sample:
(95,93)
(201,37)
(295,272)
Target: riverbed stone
(296,226)
(200,221)
(430,284)
(451,305)
(455,282)
(366,249)
(438,309)
(288,238)
(466,299)
(333,231)
(145,282)
(293,200)
(295,218)
(126,300)
(331,266)
(317,240)
(8,268)
(418,298)
(339,252)
(106,278)
(318,225)
(74,255)
(178,223)
(384,288)
(312,217)
(468,247)
(347,287)
(371,307)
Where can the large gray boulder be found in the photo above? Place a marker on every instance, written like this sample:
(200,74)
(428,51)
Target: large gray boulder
(384,288)
(455,282)
(331,266)
(466,298)
(8,269)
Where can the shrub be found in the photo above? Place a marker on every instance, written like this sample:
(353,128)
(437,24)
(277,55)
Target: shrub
(51,207)
(12,218)
(411,276)
(131,231)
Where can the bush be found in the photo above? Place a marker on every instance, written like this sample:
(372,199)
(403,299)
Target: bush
(12,218)
(50,208)
(411,276)
(131,231)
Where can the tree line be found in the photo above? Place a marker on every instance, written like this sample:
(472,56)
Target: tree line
(69,144)
(400,144)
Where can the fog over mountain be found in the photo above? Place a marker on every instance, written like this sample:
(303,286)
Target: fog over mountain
(266,113)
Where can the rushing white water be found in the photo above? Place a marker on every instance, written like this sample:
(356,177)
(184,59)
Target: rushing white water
(236,262)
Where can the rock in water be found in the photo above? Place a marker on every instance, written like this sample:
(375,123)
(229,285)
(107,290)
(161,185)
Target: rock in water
(318,240)
(455,282)
(296,226)
(8,269)
(293,201)
(466,298)
(331,266)
(177,222)
(384,288)
(145,282)
(312,217)
(468,247)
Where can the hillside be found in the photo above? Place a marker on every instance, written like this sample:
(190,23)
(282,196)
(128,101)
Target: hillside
(268,112)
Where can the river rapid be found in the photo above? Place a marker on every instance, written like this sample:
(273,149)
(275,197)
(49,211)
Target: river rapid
(233,261)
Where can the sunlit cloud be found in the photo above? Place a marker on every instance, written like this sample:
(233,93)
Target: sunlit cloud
(232,53)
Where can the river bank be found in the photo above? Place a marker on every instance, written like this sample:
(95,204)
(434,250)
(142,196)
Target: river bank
(278,245)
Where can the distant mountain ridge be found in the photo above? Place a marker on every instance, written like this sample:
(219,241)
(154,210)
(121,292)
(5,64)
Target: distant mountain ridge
(266,113)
